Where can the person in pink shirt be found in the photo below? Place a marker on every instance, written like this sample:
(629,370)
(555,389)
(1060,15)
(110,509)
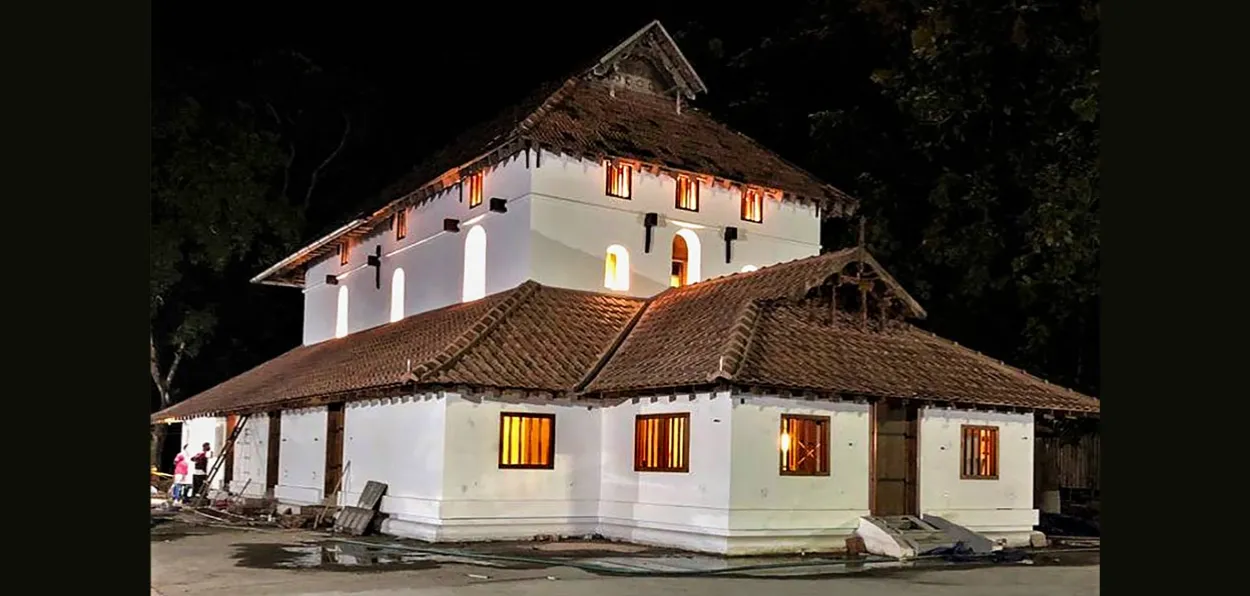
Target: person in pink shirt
(182,475)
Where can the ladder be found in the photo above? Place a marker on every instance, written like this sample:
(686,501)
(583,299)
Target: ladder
(226,451)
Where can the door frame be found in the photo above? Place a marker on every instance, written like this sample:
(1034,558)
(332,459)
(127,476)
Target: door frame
(334,446)
(273,454)
(911,446)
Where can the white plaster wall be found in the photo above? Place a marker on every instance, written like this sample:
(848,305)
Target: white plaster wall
(399,442)
(432,260)
(574,222)
(251,457)
(797,512)
(205,429)
(996,507)
(689,510)
(302,457)
(482,501)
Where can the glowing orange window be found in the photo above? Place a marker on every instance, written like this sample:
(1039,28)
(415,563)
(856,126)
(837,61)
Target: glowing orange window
(662,443)
(620,181)
(753,205)
(401,224)
(978,452)
(804,444)
(345,252)
(473,186)
(527,441)
(687,193)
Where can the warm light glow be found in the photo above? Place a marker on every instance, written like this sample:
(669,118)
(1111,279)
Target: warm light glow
(474,264)
(687,257)
(473,188)
(753,205)
(345,252)
(397,295)
(526,440)
(687,193)
(401,224)
(616,268)
(804,445)
(169,421)
(620,179)
(340,319)
(750,268)
(660,443)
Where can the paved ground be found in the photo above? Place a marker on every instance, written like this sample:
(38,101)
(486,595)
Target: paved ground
(213,561)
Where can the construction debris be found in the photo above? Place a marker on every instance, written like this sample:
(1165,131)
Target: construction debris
(356,520)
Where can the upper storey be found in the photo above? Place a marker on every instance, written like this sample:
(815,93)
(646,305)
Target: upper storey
(629,111)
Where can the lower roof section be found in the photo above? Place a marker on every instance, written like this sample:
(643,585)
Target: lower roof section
(775,329)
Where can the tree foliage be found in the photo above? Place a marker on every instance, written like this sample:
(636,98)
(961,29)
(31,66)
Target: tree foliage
(213,204)
(970,132)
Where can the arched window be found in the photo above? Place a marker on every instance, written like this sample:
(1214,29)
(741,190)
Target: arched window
(475,264)
(397,295)
(340,319)
(616,268)
(749,268)
(687,258)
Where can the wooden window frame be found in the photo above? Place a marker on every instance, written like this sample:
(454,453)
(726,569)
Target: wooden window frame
(611,168)
(345,252)
(691,183)
(822,460)
(995,452)
(475,189)
(746,194)
(401,224)
(661,439)
(550,456)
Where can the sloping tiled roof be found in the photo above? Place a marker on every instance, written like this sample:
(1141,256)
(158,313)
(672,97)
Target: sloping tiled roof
(793,347)
(765,329)
(710,320)
(584,117)
(531,337)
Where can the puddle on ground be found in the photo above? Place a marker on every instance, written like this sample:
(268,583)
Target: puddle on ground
(332,555)
(337,556)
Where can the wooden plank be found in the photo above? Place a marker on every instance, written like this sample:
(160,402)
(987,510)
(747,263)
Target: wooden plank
(334,447)
(372,495)
(272,465)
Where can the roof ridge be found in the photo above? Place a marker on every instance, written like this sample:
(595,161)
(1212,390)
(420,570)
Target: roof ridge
(1019,372)
(738,343)
(475,333)
(609,352)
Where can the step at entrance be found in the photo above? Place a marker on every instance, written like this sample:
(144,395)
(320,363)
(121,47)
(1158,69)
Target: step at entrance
(906,536)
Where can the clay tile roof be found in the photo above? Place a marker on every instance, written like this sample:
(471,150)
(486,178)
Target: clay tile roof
(710,319)
(767,329)
(582,115)
(531,337)
(793,347)
(762,329)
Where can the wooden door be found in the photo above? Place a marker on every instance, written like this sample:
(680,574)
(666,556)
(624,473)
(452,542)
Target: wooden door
(895,459)
(227,451)
(334,448)
(275,448)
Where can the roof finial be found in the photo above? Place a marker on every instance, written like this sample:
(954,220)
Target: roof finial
(862,221)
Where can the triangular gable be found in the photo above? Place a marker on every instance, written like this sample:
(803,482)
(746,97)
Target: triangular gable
(651,56)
